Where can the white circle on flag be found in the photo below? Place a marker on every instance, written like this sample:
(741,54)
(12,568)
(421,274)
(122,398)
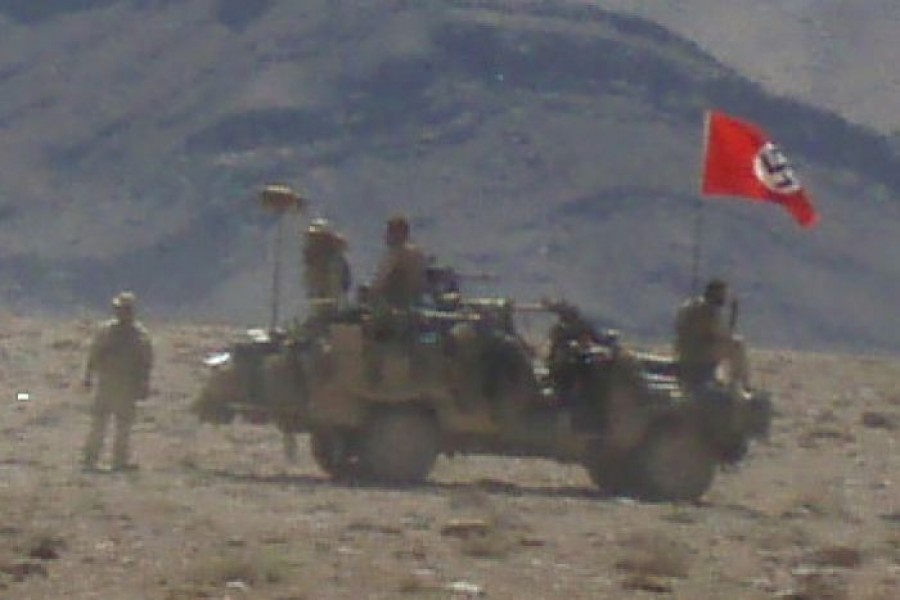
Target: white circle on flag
(773,170)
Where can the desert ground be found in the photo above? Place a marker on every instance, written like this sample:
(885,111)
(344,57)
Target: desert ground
(216,513)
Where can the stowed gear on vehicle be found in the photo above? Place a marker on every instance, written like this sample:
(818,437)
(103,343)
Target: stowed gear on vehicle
(383,394)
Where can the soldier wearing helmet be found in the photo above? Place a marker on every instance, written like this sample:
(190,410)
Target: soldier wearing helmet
(401,279)
(326,270)
(120,359)
(704,342)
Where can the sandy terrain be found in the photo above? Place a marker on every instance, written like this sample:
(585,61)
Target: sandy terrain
(218,513)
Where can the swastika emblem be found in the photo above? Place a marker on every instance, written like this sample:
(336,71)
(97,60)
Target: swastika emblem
(773,170)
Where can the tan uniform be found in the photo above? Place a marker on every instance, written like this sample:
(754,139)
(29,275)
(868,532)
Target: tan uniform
(120,358)
(399,284)
(401,277)
(703,343)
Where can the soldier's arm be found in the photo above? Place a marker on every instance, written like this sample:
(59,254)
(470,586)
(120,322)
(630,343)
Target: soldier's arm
(89,367)
(147,358)
(146,349)
(148,355)
(680,330)
(420,271)
(94,350)
(337,275)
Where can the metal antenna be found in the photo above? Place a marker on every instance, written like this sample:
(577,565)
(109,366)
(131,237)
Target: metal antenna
(279,199)
(276,272)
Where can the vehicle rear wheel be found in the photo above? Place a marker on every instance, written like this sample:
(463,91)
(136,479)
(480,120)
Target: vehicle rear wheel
(399,446)
(333,452)
(675,464)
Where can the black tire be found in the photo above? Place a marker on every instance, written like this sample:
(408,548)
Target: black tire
(734,451)
(614,475)
(675,464)
(334,453)
(399,446)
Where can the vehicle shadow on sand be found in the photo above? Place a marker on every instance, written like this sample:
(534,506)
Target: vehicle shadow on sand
(441,488)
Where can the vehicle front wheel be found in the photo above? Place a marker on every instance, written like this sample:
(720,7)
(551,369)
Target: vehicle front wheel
(333,452)
(399,446)
(675,464)
(612,473)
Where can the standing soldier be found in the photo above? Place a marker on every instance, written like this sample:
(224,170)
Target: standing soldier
(703,341)
(120,359)
(326,270)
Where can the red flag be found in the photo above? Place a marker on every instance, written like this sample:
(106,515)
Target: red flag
(741,160)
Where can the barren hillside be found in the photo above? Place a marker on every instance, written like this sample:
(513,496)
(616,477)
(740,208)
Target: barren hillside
(835,54)
(555,145)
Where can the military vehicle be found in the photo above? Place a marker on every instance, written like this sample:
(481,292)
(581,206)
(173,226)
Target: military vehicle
(382,395)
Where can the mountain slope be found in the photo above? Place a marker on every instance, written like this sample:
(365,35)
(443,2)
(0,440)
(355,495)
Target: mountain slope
(834,54)
(557,146)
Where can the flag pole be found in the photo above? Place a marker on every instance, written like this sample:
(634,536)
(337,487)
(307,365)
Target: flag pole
(280,199)
(698,216)
(695,259)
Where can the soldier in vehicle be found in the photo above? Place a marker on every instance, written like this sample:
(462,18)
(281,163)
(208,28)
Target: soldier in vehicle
(399,285)
(570,336)
(401,277)
(704,342)
(120,360)
(491,363)
(326,269)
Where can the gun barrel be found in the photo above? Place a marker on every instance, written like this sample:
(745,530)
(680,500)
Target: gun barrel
(533,307)
(447,315)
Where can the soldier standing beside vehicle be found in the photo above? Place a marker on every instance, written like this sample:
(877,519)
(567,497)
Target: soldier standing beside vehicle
(703,341)
(326,269)
(120,360)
